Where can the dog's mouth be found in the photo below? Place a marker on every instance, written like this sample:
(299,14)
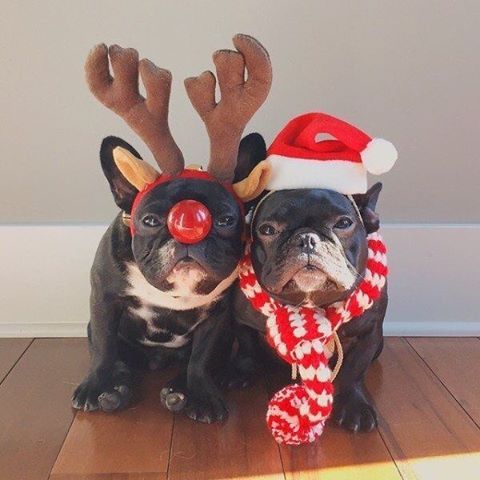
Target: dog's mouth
(312,273)
(310,278)
(187,263)
(188,270)
(185,277)
(308,284)
(189,277)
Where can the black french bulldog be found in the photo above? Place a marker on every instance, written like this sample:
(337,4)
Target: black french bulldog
(163,272)
(297,259)
(155,300)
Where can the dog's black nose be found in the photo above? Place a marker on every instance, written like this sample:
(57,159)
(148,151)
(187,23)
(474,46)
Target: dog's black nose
(307,242)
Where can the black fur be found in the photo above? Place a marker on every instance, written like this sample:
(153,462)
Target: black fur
(312,214)
(123,193)
(119,338)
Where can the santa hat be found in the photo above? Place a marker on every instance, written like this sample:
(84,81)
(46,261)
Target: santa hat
(299,159)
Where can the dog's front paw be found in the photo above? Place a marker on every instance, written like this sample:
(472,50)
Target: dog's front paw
(85,396)
(173,399)
(205,408)
(206,411)
(93,394)
(352,411)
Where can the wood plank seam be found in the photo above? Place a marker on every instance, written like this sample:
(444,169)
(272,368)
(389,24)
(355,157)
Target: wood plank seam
(16,361)
(443,384)
(380,433)
(135,440)
(288,473)
(36,413)
(427,432)
(267,388)
(379,430)
(281,462)
(167,475)
(65,436)
(61,446)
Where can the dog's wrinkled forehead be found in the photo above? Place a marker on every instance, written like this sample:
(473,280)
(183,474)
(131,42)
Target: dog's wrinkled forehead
(212,194)
(296,206)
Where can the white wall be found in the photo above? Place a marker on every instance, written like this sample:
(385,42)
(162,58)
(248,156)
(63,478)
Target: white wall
(45,286)
(407,71)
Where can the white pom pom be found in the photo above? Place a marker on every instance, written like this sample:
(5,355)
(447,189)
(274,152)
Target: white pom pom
(379,156)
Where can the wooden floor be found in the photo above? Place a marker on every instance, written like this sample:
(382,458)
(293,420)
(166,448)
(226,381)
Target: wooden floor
(427,393)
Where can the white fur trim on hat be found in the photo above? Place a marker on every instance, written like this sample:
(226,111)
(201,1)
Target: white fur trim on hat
(379,156)
(343,176)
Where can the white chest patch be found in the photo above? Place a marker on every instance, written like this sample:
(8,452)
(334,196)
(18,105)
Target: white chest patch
(181,298)
(174,341)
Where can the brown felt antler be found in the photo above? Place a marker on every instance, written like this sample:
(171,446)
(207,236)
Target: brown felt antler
(148,117)
(240,99)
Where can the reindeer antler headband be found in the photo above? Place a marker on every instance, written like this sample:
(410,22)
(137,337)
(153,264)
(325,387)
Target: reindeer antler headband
(148,117)
(240,99)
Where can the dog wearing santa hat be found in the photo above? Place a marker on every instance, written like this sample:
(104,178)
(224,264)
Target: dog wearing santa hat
(313,279)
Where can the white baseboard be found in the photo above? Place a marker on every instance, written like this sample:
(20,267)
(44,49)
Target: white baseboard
(44,279)
(31,330)
(430,329)
(391,329)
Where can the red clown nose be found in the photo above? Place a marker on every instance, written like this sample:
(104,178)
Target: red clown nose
(189,221)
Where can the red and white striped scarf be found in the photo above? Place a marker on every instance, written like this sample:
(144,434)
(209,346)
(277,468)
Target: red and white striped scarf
(297,413)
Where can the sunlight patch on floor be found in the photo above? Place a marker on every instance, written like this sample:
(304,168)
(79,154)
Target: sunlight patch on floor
(465,466)
(370,471)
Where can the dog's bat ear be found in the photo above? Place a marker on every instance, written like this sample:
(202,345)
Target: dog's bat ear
(367,203)
(125,170)
(251,152)
(252,171)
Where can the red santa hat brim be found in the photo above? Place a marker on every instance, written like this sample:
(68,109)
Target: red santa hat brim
(299,160)
(339,175)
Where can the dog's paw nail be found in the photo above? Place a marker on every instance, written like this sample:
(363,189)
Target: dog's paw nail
(175,401)
(109,402)
(90,406)
(369,422)
(339,418)
(222,416)
(354,426)
(354,413)
(164,392)
(192,414)
(123,390)
(370,426)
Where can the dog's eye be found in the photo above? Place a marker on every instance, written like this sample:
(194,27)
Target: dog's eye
(267,229)
(343,223)
(151,220)
(224,221)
